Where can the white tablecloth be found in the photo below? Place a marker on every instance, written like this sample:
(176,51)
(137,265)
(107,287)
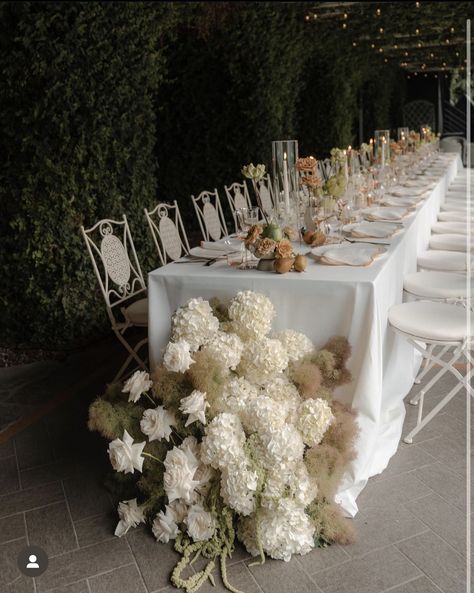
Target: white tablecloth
(323,302)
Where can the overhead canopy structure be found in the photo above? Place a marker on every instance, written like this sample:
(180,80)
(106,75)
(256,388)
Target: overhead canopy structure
(419,36)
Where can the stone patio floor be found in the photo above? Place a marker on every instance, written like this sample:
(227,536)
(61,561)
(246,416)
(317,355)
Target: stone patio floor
(411,525)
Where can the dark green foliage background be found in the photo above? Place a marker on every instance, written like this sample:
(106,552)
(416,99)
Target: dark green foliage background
(106,108)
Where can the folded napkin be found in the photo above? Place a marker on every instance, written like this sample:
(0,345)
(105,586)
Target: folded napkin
(421,187)
(385,213)
(411,192)
(347,255)
(407,202)
(377,230)
(216,246)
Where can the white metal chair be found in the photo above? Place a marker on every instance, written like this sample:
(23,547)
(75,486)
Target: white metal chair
(167,229)
(453,216)
(457,228)
(265,195)
(110,246)
(238,197)
(450,242)
(442,261)
(426,325)
(210,216)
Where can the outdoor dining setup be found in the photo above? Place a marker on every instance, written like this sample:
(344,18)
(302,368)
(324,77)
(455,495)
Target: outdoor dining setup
(370,244)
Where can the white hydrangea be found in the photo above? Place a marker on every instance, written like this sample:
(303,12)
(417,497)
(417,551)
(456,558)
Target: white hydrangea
(315,416)
(238,487)
(251,314)
(303,487)
(263,413)
(224,441)
(236,394)
(226,348)
(295,343)
(282,447)
(286,531)
(282,390)
(263,359)
(195,323)
(276,481)
(283,531)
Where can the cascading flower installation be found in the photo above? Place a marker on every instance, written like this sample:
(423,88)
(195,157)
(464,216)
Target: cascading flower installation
(236,435)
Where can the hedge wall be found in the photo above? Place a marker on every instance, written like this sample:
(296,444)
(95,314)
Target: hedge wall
(77,144)
(107,107)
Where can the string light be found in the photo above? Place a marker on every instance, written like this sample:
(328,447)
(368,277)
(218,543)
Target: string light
(378,12)
(426,75)
(447,41)
(385,60)
(431,55)
(354,44)
(381,30)
(457,54)
(315,16)
(344,25)
(381,50)
(452,29)
(345,15)
(306,18)
(395,46)
(417,31)
(406,54)
(372,45)
(417,4)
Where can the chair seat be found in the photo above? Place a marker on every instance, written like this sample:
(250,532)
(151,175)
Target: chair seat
(137,313)
(453,216)
(457,228)
(454,207)
(430,321)
(450,242)
(436,285)
(447,261)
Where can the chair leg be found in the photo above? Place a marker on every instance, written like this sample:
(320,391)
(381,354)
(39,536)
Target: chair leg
(133,355)
(462,381)
(427,366)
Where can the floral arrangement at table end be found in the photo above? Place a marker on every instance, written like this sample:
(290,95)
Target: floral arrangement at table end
(235,435)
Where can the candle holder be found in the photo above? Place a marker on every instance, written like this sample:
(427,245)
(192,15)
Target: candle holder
(285,176)
(382,146)
(403,134)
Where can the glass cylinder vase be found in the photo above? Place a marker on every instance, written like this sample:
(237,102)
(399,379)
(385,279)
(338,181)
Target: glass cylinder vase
(285,177)
(382,146)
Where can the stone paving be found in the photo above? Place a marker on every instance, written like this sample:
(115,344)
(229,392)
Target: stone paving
(411,525)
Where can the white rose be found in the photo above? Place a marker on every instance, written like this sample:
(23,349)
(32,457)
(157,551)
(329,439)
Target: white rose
(177,357)
(178,477)
(124,455)
(138,383)
(164,526)
(130,516)
(200,523)
(157,423)
(195,405)
(180,510)
(190,447)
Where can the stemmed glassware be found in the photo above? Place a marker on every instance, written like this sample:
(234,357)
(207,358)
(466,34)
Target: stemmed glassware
(246,218)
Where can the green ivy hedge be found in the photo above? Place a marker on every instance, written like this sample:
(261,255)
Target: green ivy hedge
(77,144)
(108,107)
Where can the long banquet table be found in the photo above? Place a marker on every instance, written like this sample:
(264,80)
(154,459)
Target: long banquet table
(322,302)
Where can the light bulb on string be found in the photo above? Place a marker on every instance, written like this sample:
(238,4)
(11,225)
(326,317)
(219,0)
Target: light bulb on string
(381,30)
(396,46)
(372,45)
(381,50)
(306,18)
(344,25)
(452,29)
(417,4)
(345,15)
(417,31)
(378,12)
(354,44)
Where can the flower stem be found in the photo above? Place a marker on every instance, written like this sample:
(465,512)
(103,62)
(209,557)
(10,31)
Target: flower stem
(150,398)
(152,457)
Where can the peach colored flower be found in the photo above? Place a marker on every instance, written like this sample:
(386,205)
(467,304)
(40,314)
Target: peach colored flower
(266,246)
(306,164)
(255,231)
(284,248)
